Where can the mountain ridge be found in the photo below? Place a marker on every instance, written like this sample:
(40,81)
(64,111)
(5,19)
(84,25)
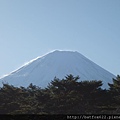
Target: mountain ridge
(41,70)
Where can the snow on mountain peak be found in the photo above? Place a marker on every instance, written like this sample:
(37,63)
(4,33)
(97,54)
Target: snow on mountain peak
(41,70)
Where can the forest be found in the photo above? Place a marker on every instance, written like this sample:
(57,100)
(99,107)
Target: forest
(62,96)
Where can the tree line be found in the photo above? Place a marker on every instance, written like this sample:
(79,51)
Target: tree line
(62,96)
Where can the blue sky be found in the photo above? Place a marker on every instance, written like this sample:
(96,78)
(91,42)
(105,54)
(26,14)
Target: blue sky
(31,28)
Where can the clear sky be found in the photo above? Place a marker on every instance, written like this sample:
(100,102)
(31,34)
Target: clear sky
(31,28)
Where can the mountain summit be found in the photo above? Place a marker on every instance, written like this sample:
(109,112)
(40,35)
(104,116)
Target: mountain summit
(42,70)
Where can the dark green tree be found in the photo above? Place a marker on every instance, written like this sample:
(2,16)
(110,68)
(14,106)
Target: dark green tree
(70,96)
(115,93)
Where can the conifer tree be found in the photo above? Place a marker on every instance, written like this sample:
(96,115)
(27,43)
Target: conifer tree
(115,93)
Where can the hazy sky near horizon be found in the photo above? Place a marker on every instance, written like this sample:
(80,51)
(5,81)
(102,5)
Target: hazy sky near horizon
(31,28)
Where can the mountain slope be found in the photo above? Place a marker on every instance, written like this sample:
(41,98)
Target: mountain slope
(42,70)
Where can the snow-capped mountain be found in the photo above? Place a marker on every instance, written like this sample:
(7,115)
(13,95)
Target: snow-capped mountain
(42,70)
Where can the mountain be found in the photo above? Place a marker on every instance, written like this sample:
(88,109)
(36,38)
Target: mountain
(42,70)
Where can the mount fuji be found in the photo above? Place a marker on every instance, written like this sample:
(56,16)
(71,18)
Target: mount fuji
(42,70)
